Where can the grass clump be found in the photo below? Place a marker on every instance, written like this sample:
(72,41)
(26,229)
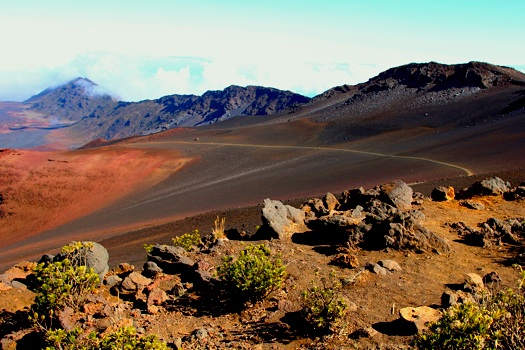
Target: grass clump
(218,230)
(323,305)
(62,284)
(122,338)
(188,240)
(496,321)
(253,274)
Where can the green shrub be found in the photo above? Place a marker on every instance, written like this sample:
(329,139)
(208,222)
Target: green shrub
(127,338)
(323,305)
(122,338)
(60,284)
(496,321)
(254,274)
(188,240)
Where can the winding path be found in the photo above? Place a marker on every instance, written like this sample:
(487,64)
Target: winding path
(332,149)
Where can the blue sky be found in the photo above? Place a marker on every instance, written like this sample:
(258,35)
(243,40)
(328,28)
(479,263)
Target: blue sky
(147,49)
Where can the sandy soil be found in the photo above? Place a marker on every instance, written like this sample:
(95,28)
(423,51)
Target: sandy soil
(42,190)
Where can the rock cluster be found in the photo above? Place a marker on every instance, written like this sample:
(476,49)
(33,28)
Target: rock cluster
(493,232)
(378,218)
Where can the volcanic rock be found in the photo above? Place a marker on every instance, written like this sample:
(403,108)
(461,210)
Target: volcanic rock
(283,220)
(398,194)
(171,259)
(493,186)
(419,316)
(442,193)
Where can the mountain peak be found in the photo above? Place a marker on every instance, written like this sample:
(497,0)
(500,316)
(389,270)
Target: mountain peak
(437,76)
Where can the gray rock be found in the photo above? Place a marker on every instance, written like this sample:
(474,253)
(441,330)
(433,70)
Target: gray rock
(470,204)
(151,269)
(390,265)
(172,260)
(376,268)
(493,186)
(95,257)
(450,298)
(112,281)
(18,285)
(200,333)
(397,193)
(283,220)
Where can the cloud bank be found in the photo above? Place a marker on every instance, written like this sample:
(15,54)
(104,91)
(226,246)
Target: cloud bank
(133,77)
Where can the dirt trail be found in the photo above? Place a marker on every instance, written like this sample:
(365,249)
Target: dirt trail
(332,149)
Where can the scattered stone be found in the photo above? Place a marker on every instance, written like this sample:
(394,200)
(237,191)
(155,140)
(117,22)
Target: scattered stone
(67,318)
(470,204)
(200,333)
(133,283)
(442,193)
(5,287)
(473,283)
(345,260)
(420,316)
(151,269)
(515,194)
(390,265)
(157,297)
(18,285)
(376,268)
(418,198)
(330,202)
(153,309)
(18,272)
(112,281)
(170,259)
(283,220)
(453,297)
(493,232)
(124,269)
(492,278)
(366,332)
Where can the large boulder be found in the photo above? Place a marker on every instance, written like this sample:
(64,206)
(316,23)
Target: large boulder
(93,255)
(493,186)
(397,193)
(282,220)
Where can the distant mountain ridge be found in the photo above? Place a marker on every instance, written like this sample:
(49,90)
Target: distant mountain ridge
(96,114)
(99,115)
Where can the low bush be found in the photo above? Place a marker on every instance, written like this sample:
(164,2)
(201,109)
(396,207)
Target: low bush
(496,321)
(60,284)
(188,240)
(122,338)
(253,274)
(323,305)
